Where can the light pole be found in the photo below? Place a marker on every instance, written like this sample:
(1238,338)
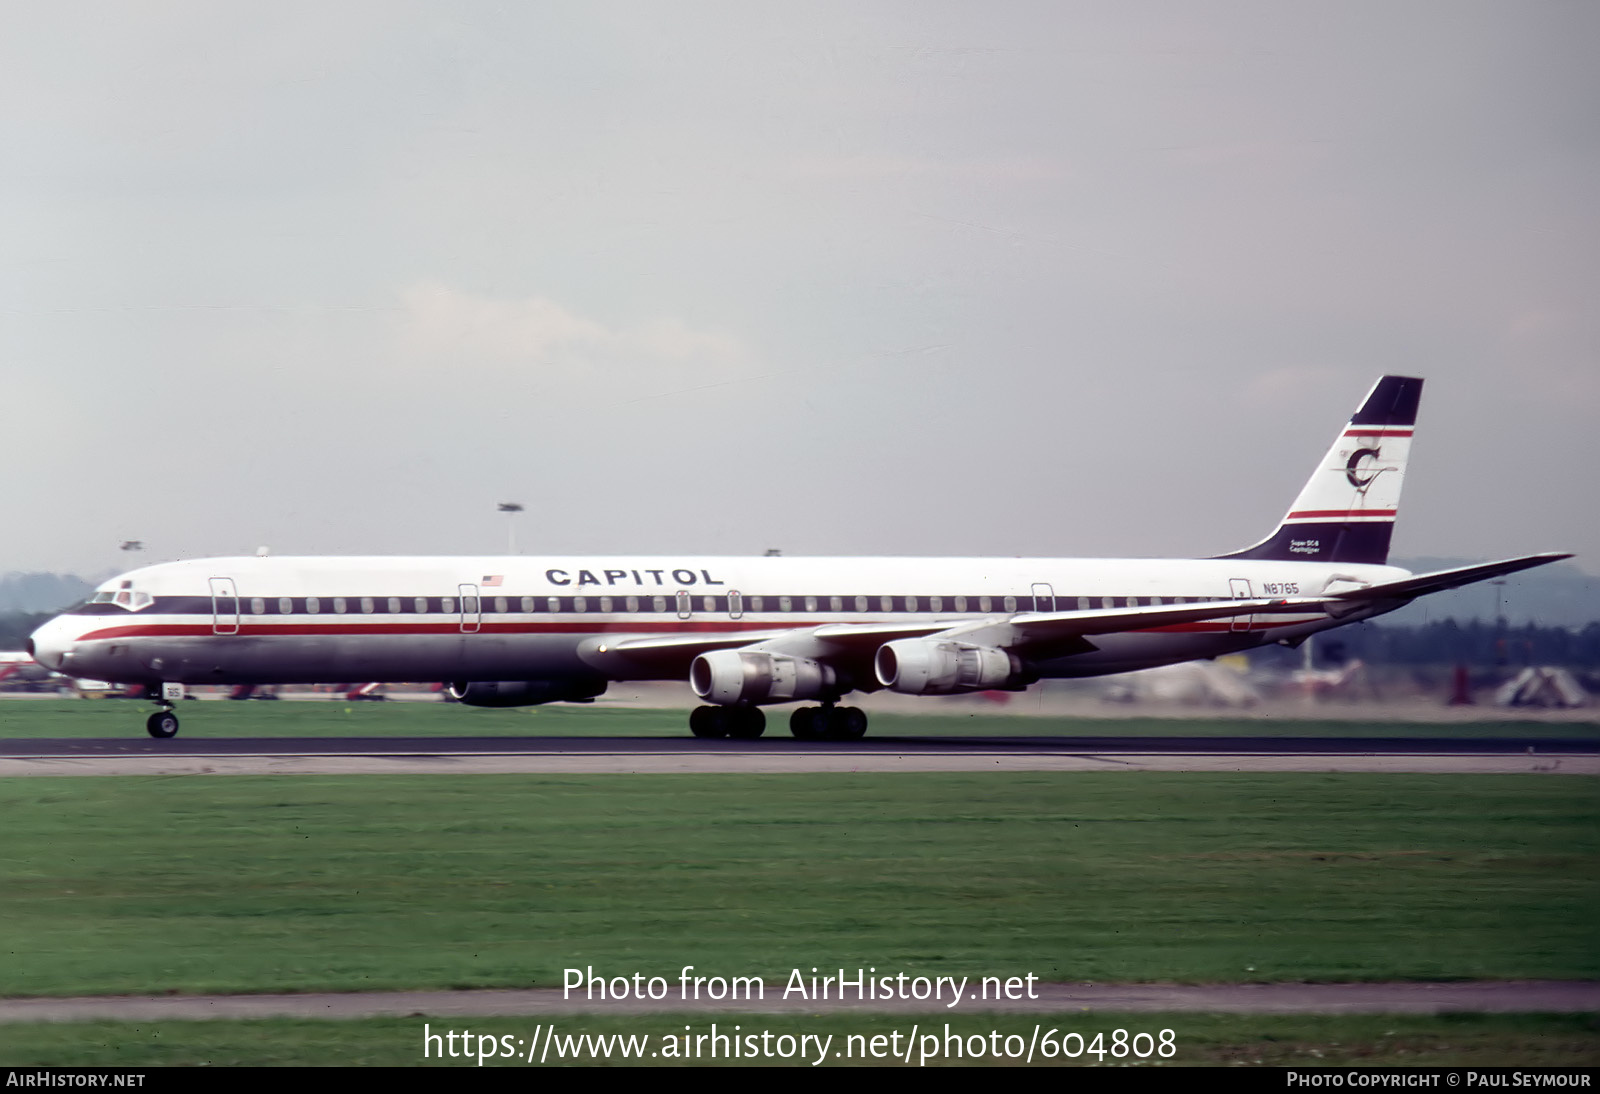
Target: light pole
(511,509)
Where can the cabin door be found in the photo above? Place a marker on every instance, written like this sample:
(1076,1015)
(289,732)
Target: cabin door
(1239,588)
(471,609)
(224,606)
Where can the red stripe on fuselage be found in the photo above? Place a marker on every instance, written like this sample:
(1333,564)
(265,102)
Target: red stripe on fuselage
(691,626)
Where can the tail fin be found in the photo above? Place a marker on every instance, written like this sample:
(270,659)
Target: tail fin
(1346,511)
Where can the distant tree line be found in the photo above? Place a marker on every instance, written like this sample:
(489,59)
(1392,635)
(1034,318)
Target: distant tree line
(1475,643)
(16,626)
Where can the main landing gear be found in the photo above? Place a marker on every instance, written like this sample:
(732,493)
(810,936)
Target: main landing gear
(746,723)
(824,723)
(828,723)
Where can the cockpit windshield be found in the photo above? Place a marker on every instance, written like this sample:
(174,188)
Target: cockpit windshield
(125,596)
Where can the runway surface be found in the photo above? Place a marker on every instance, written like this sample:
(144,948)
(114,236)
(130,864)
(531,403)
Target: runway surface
(601,755)
(1485,996)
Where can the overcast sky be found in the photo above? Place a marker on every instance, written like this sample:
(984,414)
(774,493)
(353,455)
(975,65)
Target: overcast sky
(921,278)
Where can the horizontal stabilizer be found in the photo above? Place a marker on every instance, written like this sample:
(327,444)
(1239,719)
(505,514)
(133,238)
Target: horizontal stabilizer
(1437,582)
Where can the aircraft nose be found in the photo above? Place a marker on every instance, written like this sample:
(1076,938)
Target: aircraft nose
(50,643)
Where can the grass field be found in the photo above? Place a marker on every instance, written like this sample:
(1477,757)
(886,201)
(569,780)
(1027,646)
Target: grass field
(1299,1041)
(125,718)
(189,884)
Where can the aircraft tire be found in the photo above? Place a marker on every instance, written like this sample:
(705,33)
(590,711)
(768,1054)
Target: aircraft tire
(746,723)
(828,723)
(803,723)
(708,722)
(162,724)
(850,723)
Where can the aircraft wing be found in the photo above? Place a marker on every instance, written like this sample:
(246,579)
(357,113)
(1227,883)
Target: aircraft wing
(1440,580)
(1059,632)
(1052,634)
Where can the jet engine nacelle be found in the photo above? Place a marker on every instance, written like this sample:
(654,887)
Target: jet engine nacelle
(922,666)
(750,676)
(524,693)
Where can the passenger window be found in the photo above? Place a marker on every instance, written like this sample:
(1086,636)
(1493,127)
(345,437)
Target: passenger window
(709,603)
(580,603)
(1011,604)
(553,603)
(394,605)
(785,604)
(755,603)
(886,603)
(338,605)
(936,603)
(605,603)
(421,605)
(658,603)
(285,605)
(861,603)
(836,603)
(1083,603)
(911,603)
(961,603)
(447,604)
(811,603)
(258,605)
(367,606)
(313,605)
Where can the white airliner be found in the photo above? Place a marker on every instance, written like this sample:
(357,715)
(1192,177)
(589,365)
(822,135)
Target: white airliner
(745,632)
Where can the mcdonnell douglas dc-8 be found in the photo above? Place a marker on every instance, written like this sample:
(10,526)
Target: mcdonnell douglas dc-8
(749,632)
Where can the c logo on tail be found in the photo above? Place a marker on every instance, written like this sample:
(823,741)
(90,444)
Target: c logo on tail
(1351,470)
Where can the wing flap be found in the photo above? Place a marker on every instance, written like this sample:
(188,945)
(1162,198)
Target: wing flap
(1049,625)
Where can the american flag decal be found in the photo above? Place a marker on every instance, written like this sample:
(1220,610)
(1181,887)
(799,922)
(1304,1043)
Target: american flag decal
(491,581)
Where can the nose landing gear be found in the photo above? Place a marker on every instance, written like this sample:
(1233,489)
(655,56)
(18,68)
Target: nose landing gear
(163,724)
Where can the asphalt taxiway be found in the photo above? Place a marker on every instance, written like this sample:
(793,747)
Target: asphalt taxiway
(779,755)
